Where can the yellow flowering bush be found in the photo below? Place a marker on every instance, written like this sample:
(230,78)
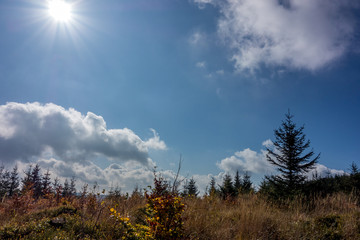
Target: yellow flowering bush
(164,209)
(163,215)
(131,232)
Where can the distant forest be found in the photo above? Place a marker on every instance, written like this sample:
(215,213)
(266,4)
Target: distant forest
(42,185)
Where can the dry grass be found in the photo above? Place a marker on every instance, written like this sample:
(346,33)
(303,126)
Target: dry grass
(250,217)
(246,217)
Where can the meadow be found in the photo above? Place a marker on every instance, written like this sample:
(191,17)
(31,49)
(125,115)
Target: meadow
(159,213)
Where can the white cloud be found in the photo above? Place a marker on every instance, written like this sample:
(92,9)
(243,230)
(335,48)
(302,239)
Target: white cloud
(155,142)
(33,130)
(246,160)
(84,172)
(125,175)
(300,34)
(201,64)
(70,144)
(268,143)
(323,171)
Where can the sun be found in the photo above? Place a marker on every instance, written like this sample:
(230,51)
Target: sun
(60,10)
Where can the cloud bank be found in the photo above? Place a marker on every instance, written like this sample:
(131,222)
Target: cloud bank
(71,144)
(33,130)
(125,176)
(297,34)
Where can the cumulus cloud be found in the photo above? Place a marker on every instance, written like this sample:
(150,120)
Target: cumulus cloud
(297,34)
(33,130)
(155,142)
(126,176)
(323,171)
(70,144)
(85,173)
(246,160)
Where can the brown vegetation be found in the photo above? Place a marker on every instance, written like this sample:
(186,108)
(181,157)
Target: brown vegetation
(248,216)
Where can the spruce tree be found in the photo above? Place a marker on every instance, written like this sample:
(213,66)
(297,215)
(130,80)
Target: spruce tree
(46,183)
(56,185)
(190,188)
(227,188)
(57,188)
(66,189)
(36,179)
(2,187)
(354,169)
(14,181)
(237,182)
(355,178)
(72,189)
(212,188)
(289,155)
(26,181)
(246,186)
(4,181)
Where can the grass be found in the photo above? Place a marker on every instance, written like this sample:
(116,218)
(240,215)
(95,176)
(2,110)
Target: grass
(245,217)
(251,217)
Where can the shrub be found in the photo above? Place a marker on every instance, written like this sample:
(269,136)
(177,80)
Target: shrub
(130,231)
(329,227)
(164,209)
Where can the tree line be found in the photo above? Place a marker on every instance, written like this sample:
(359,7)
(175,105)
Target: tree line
(38,184)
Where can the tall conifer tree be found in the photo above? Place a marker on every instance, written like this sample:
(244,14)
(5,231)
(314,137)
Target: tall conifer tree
(237,181)
(14,181)
(36,179)
(227,188)
(46,183)
(246,184)
(212,191)
(289,154)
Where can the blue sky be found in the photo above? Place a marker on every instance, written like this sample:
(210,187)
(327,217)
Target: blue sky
(207,79)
